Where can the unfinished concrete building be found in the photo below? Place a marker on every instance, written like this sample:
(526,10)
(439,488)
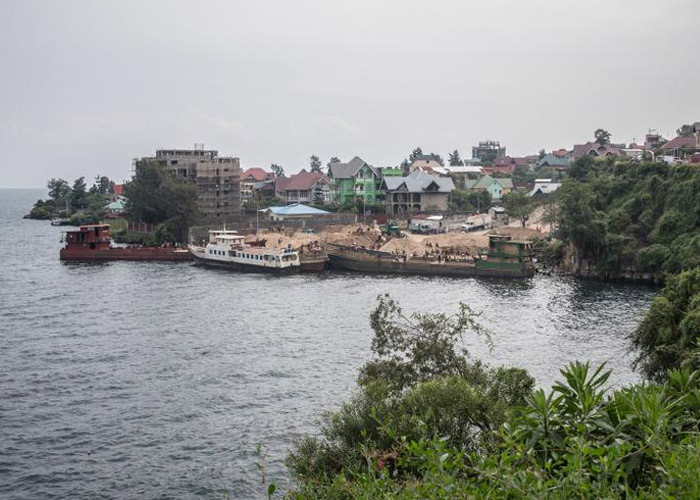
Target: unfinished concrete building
(217,178)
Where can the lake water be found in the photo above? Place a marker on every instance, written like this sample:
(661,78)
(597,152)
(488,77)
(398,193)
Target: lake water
(156,380)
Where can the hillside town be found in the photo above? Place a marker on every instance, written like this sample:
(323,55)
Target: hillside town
(422,183)
(429,200)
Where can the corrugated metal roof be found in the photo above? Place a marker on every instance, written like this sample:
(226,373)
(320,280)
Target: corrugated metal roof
(295,209)
(419,182)
(349,169)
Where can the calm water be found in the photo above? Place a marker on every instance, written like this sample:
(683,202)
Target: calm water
(150,380)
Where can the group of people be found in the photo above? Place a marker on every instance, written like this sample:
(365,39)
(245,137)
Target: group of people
(445,254)
(313,247)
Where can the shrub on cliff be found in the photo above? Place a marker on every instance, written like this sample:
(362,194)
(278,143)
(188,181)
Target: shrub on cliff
(669,335)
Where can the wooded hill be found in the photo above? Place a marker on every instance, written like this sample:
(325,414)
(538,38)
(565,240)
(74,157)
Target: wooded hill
(634,219)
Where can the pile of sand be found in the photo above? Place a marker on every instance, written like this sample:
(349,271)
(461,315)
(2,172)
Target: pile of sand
(521,233)
(459,242)
(363,235)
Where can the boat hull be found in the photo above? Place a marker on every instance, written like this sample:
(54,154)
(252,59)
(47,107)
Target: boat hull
(169,254)
(313,264)
(383,265)
(241,267)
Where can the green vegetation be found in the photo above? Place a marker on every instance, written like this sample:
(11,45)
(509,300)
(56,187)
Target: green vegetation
(602,137)
(630,217)
(277,170)
(78,203)
(465,200)
(519,205)
(315,164)
(156,196)
(669,335)
(455,160)
(428,422)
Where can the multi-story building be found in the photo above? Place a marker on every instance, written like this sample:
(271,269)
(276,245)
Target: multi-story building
(355,180)
(417,192)
(217,179)
(250,178)
(488,150)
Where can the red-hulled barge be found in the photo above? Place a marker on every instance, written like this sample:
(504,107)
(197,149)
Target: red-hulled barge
(93,242)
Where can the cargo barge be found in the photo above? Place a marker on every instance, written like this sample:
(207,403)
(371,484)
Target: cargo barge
(505,258)
(93,243)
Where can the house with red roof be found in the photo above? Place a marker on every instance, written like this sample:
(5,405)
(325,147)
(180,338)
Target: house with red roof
(508,164)
(681,146)
(250,178)
(304,187)
(594,149)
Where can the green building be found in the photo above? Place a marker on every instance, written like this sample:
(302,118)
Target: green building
(355,180)
(497,187)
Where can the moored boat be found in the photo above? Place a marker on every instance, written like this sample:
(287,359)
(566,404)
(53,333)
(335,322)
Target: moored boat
(313,258)
(228,250)
(92,242)
(505,258)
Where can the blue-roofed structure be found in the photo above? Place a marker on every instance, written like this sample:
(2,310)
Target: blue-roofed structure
(117,206)
(294,211)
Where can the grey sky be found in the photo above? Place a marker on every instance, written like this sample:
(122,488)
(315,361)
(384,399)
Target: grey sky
(87,85)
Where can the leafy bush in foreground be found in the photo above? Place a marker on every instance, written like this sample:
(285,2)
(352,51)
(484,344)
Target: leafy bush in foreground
(577,441)
(419,383)
(427,422)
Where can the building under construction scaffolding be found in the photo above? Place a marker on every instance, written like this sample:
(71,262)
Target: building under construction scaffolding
(488,150)
(217,179)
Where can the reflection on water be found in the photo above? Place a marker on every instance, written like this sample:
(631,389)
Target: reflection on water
(125,380)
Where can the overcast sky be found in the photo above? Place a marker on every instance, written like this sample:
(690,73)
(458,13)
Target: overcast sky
(85,86)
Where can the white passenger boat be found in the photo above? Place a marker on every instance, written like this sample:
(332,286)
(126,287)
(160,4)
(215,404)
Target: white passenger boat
(227,249)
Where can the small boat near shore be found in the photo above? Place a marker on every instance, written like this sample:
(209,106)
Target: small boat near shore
(93,242)
(313,258)
(227,249)
(505,258)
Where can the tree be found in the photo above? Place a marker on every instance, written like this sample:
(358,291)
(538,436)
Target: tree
(519,205)
(102,185)
(669,335)
(416,348)
(488,157)
(59,189)
(157,196)
(414,155)
(455,160)
(419,384)
(551,213)
(542,153)
(277,170)
(315,164)
(78,194)
(602,137)
(685,131)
